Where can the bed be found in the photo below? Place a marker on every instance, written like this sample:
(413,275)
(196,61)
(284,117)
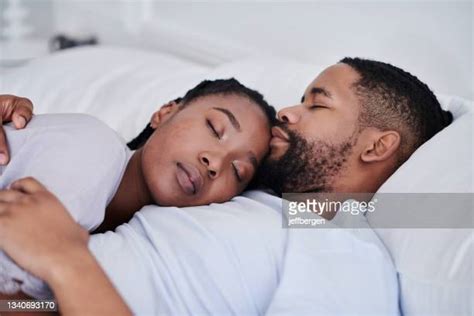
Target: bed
(248,264)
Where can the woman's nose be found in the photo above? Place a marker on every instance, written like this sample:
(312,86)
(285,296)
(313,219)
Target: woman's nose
(213,163)
(289,115)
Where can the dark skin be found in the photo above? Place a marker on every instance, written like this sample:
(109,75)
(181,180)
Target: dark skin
(12,109)
(371,162)
(19,111)
(59,246)
(224,150)
(329,111)
(221,138)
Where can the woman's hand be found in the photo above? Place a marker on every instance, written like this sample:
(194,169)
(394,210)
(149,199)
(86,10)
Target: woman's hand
(12,109)
(36,230)
(38,233)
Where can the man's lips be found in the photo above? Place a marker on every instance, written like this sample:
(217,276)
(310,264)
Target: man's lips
(279,137)
(189,178)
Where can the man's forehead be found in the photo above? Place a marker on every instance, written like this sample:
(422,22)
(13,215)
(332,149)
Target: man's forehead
(334,78)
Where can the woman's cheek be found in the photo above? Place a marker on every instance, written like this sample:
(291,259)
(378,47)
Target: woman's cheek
(223,190)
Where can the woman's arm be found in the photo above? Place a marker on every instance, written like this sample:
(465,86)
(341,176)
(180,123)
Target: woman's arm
(55,250)
(82,288)
(16,109)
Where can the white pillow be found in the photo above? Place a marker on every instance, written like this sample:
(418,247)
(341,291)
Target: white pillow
(444,163)
(282,82)
(435,266)
(121,86)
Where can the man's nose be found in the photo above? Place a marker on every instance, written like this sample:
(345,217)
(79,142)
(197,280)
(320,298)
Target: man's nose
(289,115)
(213,161)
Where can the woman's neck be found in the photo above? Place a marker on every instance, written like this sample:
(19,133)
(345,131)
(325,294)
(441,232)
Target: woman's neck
(132,194)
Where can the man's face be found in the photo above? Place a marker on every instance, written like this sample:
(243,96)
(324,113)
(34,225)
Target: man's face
(313,143)
(206,152)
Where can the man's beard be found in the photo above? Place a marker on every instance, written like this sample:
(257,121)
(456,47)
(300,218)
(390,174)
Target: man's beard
(305,166)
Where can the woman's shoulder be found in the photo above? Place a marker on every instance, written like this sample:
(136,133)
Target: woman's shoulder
(78,127)
(65,120)
(67,136)
(78,157)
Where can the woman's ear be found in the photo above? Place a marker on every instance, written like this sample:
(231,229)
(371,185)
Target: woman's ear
(381,146)
(164,113)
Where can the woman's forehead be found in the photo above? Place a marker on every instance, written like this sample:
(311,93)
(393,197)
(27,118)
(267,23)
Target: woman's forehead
(241,107)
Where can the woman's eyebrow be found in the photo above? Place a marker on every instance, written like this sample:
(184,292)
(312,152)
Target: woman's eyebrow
(230,116)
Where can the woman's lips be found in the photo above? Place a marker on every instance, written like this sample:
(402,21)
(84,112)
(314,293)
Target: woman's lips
(189,178)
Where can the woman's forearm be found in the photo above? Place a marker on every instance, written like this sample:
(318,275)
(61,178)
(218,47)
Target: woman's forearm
(38,233)
(82,288)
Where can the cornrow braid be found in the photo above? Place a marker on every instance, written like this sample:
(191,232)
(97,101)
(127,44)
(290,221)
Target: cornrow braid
(212,87)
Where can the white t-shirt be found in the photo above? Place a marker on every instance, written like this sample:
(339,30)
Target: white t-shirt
(235,258)
(341,269)
(79,159)
(218,259)
(76,156)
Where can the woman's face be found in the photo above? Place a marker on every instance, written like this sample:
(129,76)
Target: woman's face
(206,152)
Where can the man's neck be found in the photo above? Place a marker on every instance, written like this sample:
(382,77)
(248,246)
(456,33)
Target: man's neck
(132,194)
(361,187)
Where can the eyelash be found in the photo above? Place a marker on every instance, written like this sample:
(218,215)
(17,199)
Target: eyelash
(315,106)
(236,172)
(213,130)
(216,134)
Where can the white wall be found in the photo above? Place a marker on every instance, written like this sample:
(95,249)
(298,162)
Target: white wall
(39,15)
(434,40)
(431,39)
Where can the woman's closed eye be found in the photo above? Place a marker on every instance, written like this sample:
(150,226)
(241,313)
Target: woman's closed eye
(236,172)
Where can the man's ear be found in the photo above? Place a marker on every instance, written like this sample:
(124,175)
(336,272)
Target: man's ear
(381,146)
(163,114)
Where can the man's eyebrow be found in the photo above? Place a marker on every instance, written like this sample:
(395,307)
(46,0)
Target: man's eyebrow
(316,91)
(230,116)
(320,90)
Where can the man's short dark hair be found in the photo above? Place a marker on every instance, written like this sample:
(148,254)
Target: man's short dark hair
(393,99)
(213,87)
